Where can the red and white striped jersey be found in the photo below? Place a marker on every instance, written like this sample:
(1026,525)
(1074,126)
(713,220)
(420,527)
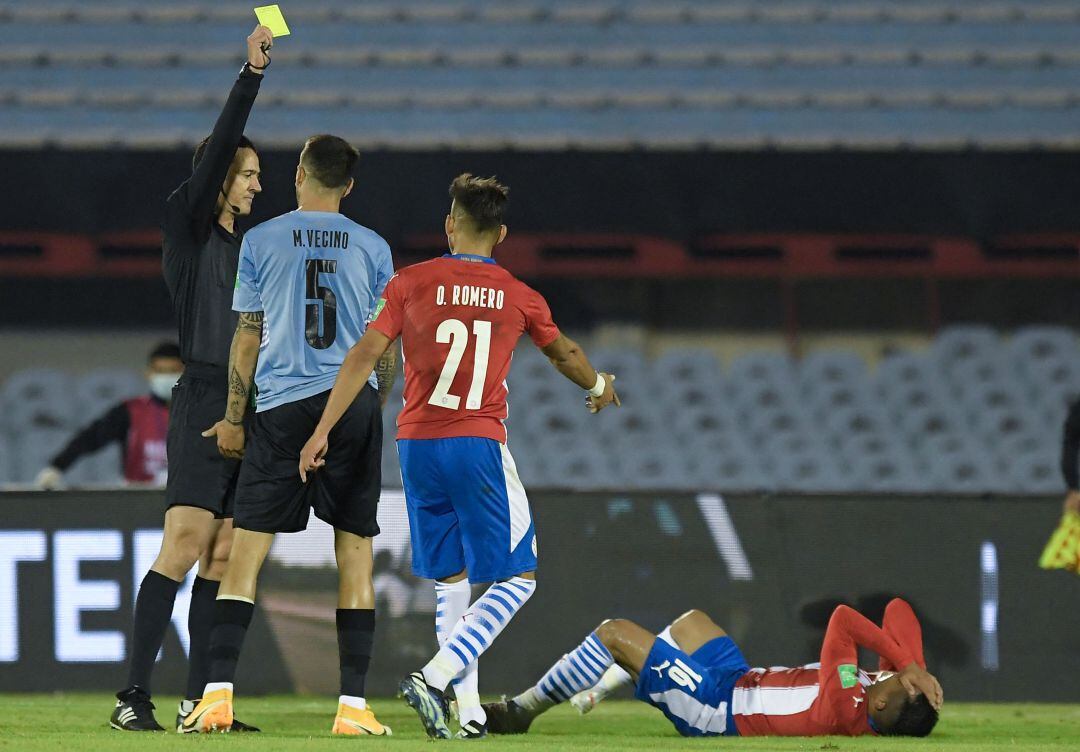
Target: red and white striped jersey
(827,697)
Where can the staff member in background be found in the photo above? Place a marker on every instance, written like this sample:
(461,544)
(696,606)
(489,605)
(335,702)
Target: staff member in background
(1070,458)
(139,425)
(200,250)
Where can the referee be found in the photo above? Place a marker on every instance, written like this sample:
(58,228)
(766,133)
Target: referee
(200,251)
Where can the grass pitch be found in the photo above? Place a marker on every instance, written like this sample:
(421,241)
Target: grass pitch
(29,723)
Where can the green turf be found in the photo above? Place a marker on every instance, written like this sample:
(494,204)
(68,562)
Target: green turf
(78,723)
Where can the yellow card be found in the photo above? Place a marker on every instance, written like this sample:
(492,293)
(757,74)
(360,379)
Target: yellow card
(270,16)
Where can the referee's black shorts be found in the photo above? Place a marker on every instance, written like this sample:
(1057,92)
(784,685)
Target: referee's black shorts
(271,498)
(198,475)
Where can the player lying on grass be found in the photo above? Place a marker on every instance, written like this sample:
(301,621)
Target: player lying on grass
(696,675)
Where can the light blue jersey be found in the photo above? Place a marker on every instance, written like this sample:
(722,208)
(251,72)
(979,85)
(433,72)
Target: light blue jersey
(316,276)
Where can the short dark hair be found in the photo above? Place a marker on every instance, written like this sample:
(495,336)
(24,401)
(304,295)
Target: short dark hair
(200,150)
(482,199)
(330,160)
(164,350)
(916,718)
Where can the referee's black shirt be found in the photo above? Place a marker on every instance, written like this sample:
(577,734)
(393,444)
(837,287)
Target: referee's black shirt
(199,256)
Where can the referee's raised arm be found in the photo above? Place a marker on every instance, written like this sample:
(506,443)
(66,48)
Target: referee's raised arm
(196,201)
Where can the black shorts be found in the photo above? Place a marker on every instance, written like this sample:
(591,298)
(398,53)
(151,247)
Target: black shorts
(198,475)
(271,498)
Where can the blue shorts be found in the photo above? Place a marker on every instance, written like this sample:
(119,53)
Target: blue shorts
(467,509)
(693,691)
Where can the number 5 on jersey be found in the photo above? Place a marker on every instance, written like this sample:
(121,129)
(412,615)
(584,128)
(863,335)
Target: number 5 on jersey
(456,334)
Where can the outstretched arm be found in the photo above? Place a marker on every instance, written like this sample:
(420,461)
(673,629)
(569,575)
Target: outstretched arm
(243,357)
(196,200)
(351,379)
(570,360)
(110,427)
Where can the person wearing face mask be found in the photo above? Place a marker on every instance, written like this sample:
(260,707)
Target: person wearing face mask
(139,425)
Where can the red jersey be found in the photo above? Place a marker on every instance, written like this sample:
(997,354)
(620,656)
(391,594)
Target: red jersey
(828,697)
(459,318)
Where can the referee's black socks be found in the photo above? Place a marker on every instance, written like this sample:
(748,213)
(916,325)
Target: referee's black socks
(153,610)
(231,619)
(200,622)
(356,635)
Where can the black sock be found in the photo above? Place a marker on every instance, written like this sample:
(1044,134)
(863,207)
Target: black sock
(153,610)
(355,635)
(231,619)
(200,622)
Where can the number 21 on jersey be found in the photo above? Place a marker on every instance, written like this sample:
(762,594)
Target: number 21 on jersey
(456,334)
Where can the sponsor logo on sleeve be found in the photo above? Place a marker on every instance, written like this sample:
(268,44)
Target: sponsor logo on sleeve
(377,310)
(849,675)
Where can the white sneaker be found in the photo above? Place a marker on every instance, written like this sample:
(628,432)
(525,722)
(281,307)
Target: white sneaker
(585,701)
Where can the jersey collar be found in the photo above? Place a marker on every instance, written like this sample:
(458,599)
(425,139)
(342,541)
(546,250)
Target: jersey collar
(470,257)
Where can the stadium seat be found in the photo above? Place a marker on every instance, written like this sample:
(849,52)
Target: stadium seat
(687,365)
(38,398)
(697,422)
(768,423)
(979,371)
(903,398)
(569,467)
(830,368)
(821,401)
(770,368)
(887,473)
(730,473)
(1033,473)
(5,461)
(810,471)
(901,369)
(656,467)
(1035,344)
(847,421)
(962,471)
(99,390)
(33,449)
(961,343)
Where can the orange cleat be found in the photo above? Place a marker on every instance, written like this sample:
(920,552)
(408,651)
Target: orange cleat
(213,713)
(352,722)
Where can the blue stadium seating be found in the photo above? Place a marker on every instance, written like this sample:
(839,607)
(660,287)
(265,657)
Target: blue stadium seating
(551,72)
(927,421)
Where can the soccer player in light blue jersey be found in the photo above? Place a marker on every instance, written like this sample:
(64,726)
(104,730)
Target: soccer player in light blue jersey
(308,283)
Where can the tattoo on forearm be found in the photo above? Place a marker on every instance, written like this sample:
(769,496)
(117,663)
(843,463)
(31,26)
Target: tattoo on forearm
(251,321)
(386,372)
(238,397)
(242,374)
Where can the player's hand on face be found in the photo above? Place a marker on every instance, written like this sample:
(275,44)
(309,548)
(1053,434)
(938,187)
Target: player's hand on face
(916,679)
(230,439)
(1072,502)
(260,41)
(596,404)
(312,455)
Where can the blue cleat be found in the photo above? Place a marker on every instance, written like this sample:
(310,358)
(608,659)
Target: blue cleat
(429,703)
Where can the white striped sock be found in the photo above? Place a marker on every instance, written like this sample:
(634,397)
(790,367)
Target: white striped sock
(451,603)
(575,672)
(477,629)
